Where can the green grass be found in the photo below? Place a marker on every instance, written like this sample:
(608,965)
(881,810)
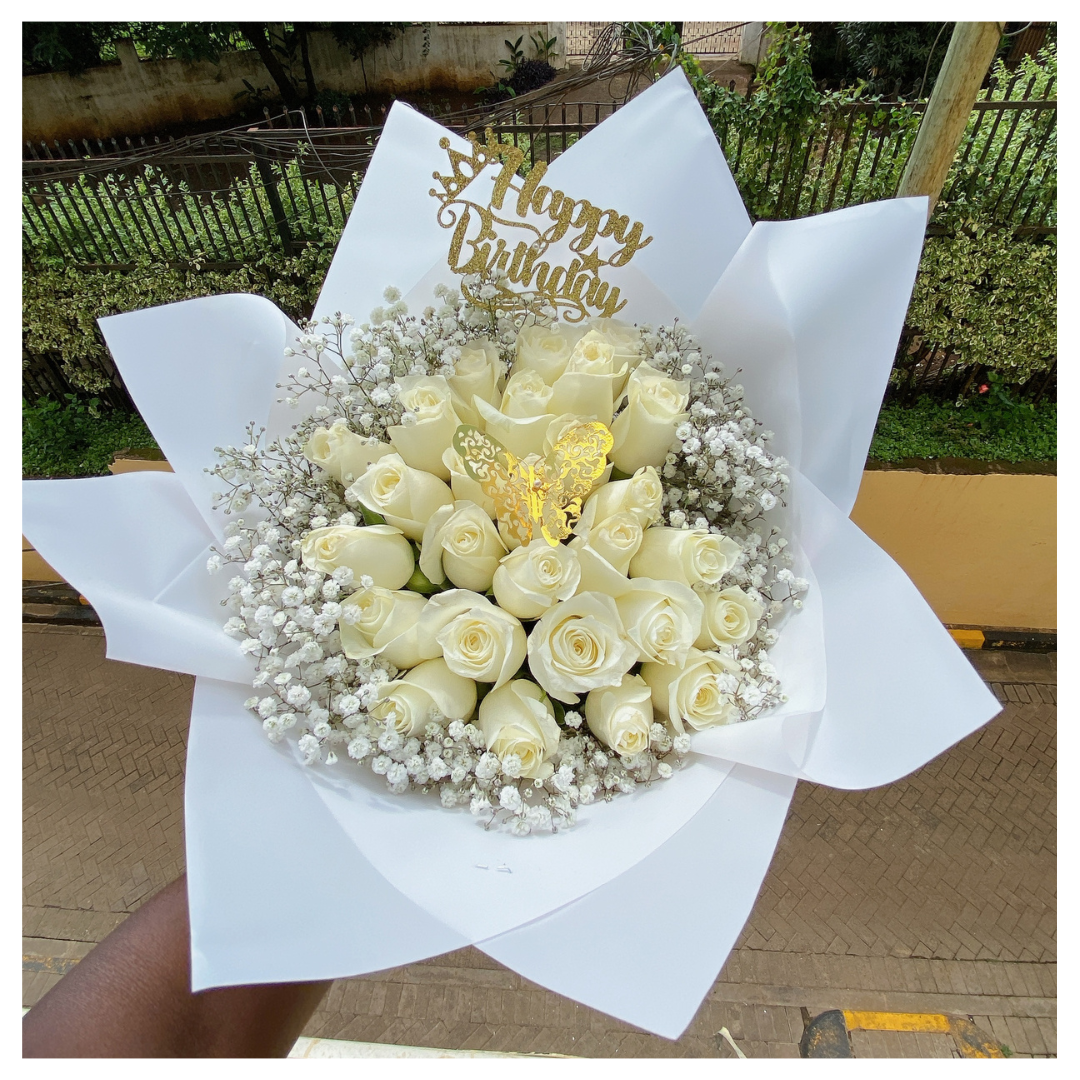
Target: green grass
(984,430)
(77,438)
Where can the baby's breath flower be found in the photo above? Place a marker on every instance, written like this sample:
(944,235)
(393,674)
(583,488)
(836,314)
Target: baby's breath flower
(285,615)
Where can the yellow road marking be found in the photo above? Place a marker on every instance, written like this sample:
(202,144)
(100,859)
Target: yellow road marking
(968,639)
(970,1040)
(931,1023)
(973,1042)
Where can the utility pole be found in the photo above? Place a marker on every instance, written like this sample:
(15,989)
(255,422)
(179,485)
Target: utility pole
(971,51)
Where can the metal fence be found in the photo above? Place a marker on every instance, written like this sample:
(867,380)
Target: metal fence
(44,376)
(1006,166)
(222,200)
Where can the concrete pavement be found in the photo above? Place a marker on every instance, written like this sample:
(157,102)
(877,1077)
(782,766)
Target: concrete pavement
(936,894)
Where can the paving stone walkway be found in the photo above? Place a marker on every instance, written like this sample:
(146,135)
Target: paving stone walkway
(934,894)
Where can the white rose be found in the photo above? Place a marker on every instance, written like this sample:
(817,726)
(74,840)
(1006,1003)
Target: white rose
(642,495)
(662,618)
(597,574)
(579,645)
(464,487)
(342,453)
(624,339)
(591,382)
(616,540)
(595,352)
(534,578)
(379,551)
(545,349)
(699,691)
(421,444)
(378,622)
(621,716)
(461,543)
(645,429)
(429,692)
(405,496)
(474,637)
(561,425)
(731,617)
(518,719)
(526,396)
(686,555)
(523,416)
(476,374)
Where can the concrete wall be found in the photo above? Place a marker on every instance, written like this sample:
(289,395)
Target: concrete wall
(137,96)
(754,44)
(981,549)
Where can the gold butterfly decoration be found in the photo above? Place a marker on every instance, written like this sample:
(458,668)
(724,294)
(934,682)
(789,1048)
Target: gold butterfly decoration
(537,495)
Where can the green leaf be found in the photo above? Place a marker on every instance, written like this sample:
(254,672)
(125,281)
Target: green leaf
(420,583)
(370,517)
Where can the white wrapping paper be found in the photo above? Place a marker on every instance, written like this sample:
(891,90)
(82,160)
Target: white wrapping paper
(809,312)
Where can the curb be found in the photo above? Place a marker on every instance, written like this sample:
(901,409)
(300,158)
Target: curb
(974,637)
(56,604)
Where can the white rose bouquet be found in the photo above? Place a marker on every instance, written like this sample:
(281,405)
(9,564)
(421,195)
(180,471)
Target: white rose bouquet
(439,578)
(507,558)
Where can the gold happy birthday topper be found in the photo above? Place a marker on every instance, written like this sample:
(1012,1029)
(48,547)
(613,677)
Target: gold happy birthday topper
(477,248)
(537,493)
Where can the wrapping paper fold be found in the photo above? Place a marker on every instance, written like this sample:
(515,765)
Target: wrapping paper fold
(808,313)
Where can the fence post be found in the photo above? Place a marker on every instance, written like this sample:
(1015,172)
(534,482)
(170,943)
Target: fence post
(971,51)
(266,174)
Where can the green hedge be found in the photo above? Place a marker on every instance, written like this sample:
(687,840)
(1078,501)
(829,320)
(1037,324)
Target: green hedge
(61,306)
(989,297)
(981,293)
